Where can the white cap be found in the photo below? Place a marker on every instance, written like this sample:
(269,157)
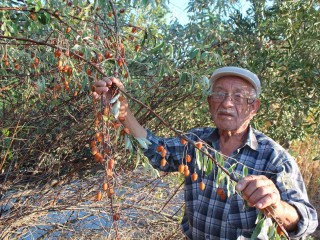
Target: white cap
(239,72)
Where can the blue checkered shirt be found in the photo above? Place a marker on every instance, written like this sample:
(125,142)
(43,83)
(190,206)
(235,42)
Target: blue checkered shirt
(206,215)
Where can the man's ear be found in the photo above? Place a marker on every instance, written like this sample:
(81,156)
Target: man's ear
(255,106)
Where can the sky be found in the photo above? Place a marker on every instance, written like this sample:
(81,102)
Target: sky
(178,8)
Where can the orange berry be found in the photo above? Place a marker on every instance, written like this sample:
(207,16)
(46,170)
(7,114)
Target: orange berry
(89,72)
(188,158)
(110,192)
(279,231)
(202,186)
(163,153)
(116,125)
(220,191)
(99,56)
(223,196)
(186,167)
(137,48)
(186,172)
(183,141)
(120,62)
(93,144)
(33,16)
(198,145)
(126,130)
(17,66)
(105,186)
(194,176)
(99,196)
(70,71)
(98,157)
(57,53)
(134,29)
(116,216)
(68,30)
(111,164)
(121,118)
(160,148)
(99,116)
(163,162)
(36,61)
(94,150)
(181,168)
(108,55)
(59,64)
(99,137)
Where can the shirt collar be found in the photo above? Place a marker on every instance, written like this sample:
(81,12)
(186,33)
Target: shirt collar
(251,140)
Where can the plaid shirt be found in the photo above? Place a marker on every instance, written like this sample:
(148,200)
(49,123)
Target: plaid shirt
(206,215)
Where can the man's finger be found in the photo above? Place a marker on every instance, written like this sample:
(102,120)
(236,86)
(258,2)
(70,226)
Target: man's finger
(244,182)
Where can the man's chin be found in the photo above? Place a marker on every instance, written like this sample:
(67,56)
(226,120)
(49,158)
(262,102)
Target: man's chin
(226,127)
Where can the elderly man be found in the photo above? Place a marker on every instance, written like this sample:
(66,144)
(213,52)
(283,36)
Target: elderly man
(273,180)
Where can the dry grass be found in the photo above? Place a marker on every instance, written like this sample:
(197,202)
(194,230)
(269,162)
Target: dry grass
(305,152)
(70,210)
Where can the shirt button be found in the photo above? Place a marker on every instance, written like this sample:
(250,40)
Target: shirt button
(207,236)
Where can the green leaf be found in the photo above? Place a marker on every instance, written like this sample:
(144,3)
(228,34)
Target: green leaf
(144,142)
(116,108)
(162,70)
(209,166)
(219,158)
(194,53)
(193,83)
(115,98)
(170,51)
(157,48)
(183,78)
(128,143)
(38,6)
(257,229)
(232,168)
(203,55)
(259,217)
(44,18)
(245,171)
(316,158)
(198,159)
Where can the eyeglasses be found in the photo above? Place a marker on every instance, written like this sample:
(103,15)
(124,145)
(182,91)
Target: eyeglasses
(237,98)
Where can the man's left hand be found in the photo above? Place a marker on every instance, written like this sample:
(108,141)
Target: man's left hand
(259,191)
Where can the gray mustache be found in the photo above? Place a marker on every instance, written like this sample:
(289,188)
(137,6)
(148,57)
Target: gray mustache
(224,111)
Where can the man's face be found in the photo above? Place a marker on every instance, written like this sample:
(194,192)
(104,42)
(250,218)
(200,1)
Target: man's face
(230,114)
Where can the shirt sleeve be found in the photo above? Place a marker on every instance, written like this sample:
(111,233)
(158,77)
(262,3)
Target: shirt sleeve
(293,191)
(174,155)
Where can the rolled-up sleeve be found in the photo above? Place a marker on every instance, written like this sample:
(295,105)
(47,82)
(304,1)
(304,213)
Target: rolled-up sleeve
(293,191)
(174,150)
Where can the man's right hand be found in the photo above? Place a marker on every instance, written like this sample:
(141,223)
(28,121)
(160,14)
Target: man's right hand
(104,87)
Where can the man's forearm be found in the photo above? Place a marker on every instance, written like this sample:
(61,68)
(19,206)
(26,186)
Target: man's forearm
(288,215)
(134,126)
